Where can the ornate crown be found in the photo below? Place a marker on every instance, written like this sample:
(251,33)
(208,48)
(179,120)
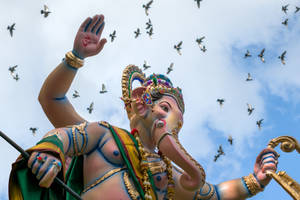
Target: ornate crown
(155,85)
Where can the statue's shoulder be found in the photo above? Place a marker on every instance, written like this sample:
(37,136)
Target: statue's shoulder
(112,128)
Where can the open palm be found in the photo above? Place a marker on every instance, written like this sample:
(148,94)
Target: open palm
(88,40)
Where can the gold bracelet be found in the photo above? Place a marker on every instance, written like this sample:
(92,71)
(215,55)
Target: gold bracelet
(73,61)
(252,184)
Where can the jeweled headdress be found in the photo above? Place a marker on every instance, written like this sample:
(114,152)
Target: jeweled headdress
(153,86)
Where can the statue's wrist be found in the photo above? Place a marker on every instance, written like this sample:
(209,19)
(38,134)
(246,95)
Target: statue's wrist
(72,61)
(252,185)
(77,54)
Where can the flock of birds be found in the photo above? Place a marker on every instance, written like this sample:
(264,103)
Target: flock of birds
(178,47)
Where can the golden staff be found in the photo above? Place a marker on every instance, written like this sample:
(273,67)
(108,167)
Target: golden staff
(288,144)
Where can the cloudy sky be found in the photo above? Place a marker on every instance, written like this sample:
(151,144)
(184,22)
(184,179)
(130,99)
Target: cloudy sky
(230,28)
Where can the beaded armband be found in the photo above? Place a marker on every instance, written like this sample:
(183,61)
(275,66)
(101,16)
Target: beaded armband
(78,132)
(73,60)
(252,184)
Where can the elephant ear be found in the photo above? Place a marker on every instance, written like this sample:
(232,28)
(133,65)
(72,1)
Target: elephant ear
(130,74)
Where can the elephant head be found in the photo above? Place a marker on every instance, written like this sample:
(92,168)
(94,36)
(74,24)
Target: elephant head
(158,108)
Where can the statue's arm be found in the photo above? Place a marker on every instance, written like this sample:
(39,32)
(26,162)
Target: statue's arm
(236,189)
(52,95)
(73,141)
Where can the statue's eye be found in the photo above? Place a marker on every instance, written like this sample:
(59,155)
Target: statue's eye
(165,108)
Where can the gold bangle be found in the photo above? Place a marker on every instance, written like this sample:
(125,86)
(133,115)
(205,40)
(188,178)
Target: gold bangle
(252,184)
(73,61)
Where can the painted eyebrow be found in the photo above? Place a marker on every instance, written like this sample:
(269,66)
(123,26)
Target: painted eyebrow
(167,103)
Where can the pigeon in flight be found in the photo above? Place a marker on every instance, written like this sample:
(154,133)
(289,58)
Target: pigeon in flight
(170,68)
(282,57)
(103,89)
(137,33)
(16,77)
(113,35)
(149,24)
(150,32)
(220,150)
(200,40)
(178,47)
(33,130)
(221,101)
(250,109)
(249,78)
(76,94)
(46,11)
(145,66)
(285,8)
(90,108)
(247,54)
(297,9)
(204,49)
(230,139)
(285,22)
(261,55)
(216,157)
(12,69)
(147,7)
(259,123)
(198,3)
(11,29)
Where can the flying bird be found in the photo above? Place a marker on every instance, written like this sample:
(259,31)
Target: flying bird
(282,57)
(11,29)
(249,78)
(150,32)
(149,24)
(145,66)
(46,11)
(16,77)
(221,101)
(170,68)
(33,130)
(220,150)
(297,9)
(198,3)
(200,40)
(178,47)
(216,157)
(230,139)
(147,7)
(137,33)
(250,109)
(12,69)
(285,22)
(76,94)
(259,123)
(261,55)
(204,49)
(103,89)
(247,54)
(113,35)
(90,108)
(285,8)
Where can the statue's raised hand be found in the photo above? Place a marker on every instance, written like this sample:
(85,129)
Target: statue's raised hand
(266,160)
(88,40)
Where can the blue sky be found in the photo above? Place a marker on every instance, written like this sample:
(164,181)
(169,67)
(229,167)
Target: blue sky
(230,27)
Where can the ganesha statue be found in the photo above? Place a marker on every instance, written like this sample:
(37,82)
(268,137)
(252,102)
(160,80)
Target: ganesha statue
(101,161)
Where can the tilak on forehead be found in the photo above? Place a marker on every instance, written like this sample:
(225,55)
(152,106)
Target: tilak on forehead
(151,87)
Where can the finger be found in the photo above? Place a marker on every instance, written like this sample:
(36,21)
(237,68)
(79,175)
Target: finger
(268,157)
(94,21)
(44,169)
(98,23)
(84,24)
(269,166)
(32,159)
(264,152)
(101,44)
(36,166)
(100,29)
(47,180)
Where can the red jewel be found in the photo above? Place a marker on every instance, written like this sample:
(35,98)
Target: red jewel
(39,158)
(134,131)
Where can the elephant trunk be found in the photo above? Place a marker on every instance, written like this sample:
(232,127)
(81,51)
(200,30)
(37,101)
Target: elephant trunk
(193,176)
